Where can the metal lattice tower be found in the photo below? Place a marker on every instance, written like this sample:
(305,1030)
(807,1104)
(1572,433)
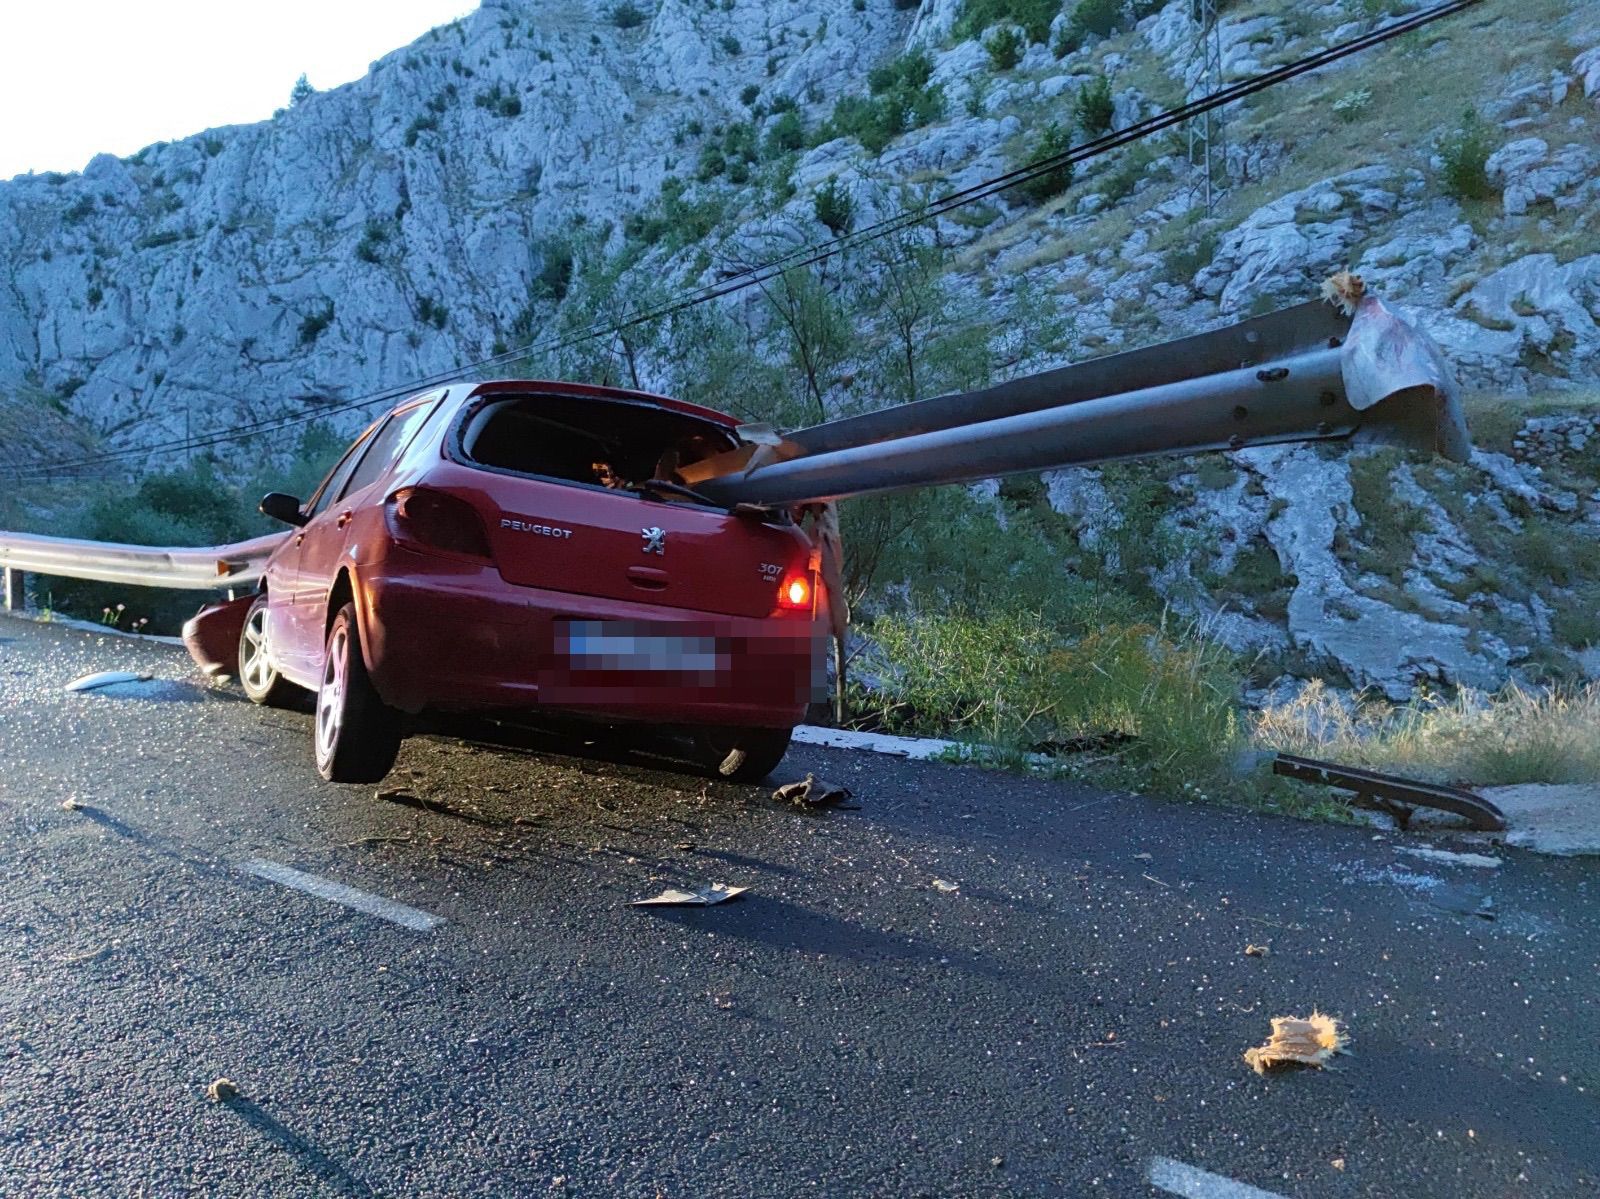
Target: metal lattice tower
(1208,145)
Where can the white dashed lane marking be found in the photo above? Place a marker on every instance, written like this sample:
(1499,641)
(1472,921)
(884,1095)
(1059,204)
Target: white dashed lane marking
(362,901)
(1193,1183)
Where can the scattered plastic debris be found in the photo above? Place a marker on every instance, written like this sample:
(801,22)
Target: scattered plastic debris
(1295,1041)
(1257,951)
(106,678)
(948,888)
(704,897)
(812,792)
(71,805)
(222,1090)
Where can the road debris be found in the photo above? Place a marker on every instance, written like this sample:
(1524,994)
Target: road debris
(947,888)
(704,897)
(812,792)
(222,1090)
(1445,855)
(1295,1041)
(1463,900)
(107,678)
(1257,951)
(71,805)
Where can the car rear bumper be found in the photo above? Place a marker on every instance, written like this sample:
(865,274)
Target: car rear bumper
(465,639)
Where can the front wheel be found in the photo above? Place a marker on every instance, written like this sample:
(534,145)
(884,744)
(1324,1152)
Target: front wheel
(741,755)
(257,675)
(356,734)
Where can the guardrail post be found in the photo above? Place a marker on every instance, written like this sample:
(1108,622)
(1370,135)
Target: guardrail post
(16,590)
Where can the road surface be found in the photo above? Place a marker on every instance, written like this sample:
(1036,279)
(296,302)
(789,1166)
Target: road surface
(974,985)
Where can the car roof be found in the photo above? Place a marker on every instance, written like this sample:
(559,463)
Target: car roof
(534,387)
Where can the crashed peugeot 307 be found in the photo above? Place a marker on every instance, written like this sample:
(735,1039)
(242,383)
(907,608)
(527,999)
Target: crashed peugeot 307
(515,545)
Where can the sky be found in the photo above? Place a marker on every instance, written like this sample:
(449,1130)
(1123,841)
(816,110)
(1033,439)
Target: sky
(82,77)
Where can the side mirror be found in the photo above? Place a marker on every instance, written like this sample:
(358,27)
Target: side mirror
(283,507)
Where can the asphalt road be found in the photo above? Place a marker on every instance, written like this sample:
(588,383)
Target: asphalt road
(1076,1008)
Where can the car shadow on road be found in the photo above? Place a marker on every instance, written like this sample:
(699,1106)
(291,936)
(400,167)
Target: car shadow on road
(789,927)
(339,1180)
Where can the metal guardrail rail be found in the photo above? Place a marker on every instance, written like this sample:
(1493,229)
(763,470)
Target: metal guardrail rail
(202,568)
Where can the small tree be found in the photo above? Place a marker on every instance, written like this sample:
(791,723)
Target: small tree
(834,207)
(1094,107)
(815,332)
(1051,182)
(1465,155)
(1005,47)
(302,90)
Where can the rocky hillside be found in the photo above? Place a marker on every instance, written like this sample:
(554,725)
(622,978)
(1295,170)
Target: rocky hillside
(458,200)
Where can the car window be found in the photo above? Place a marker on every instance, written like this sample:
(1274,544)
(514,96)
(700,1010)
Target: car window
(386,445)
(336,477)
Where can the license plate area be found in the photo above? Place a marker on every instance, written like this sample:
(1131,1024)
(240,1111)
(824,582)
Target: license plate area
(640,648)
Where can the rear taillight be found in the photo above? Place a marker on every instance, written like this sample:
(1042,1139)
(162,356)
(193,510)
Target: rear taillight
(433,522)
(795,592)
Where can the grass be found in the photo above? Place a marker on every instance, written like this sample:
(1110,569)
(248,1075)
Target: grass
(1519,735)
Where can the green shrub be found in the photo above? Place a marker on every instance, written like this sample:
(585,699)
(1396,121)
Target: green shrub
(312,326)
(301,91)
(1465,152)
(712,163)
(501,100)
(1005,47)
(1099,18)
(1034,16)
(431,312)
(730,45)
(555,270)
(901,99)
(1094,107)
(1185,261)
(1164,702)
(785,135)
(1055,140)
(750,94)
(627,16)
(834,207)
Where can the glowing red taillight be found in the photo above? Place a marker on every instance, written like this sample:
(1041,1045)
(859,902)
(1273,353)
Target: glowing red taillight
(794,593)
(433,522)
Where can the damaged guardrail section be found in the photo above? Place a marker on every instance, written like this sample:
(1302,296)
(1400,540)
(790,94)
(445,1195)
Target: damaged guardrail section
(1306,373)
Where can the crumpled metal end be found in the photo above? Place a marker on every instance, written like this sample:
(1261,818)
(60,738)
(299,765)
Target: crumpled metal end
(1397,375)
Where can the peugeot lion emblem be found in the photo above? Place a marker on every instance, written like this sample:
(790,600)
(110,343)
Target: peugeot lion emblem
(655,540)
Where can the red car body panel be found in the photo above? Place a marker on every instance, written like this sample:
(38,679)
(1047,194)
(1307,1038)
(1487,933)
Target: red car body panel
(593,600)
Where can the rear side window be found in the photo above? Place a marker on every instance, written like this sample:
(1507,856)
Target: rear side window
(386,446)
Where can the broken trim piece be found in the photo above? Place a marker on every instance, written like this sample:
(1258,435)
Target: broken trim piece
(1391,793)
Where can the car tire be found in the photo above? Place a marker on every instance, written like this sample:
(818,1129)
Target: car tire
(742,755)
(257,675)
(355,735)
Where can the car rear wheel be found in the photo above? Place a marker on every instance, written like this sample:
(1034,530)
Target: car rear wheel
(257,675)
(742,755)
(356,734)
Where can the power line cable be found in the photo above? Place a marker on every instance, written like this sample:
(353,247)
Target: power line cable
(805,256)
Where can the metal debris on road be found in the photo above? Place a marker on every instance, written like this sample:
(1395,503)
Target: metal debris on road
(222,1090)
(812,792)
(1295,1041)
(107,678)
(71,805)
(948,888)
(704,897)
(1257,951)
(1392,794)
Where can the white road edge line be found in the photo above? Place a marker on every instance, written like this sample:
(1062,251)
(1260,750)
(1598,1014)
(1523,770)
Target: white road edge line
(350,897)
(1445,855)
(920,748)
(1191,1182)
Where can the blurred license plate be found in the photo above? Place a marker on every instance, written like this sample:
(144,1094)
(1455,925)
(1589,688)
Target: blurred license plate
(619,645)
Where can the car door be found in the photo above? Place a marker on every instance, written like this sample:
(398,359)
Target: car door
(325,537)
(297,648)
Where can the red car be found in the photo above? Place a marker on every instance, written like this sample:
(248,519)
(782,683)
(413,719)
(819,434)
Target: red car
(520,545)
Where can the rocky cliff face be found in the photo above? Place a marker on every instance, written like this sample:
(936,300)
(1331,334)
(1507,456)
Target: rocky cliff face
(401,225)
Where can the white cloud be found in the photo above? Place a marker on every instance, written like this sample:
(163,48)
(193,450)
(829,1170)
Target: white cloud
(78,79)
